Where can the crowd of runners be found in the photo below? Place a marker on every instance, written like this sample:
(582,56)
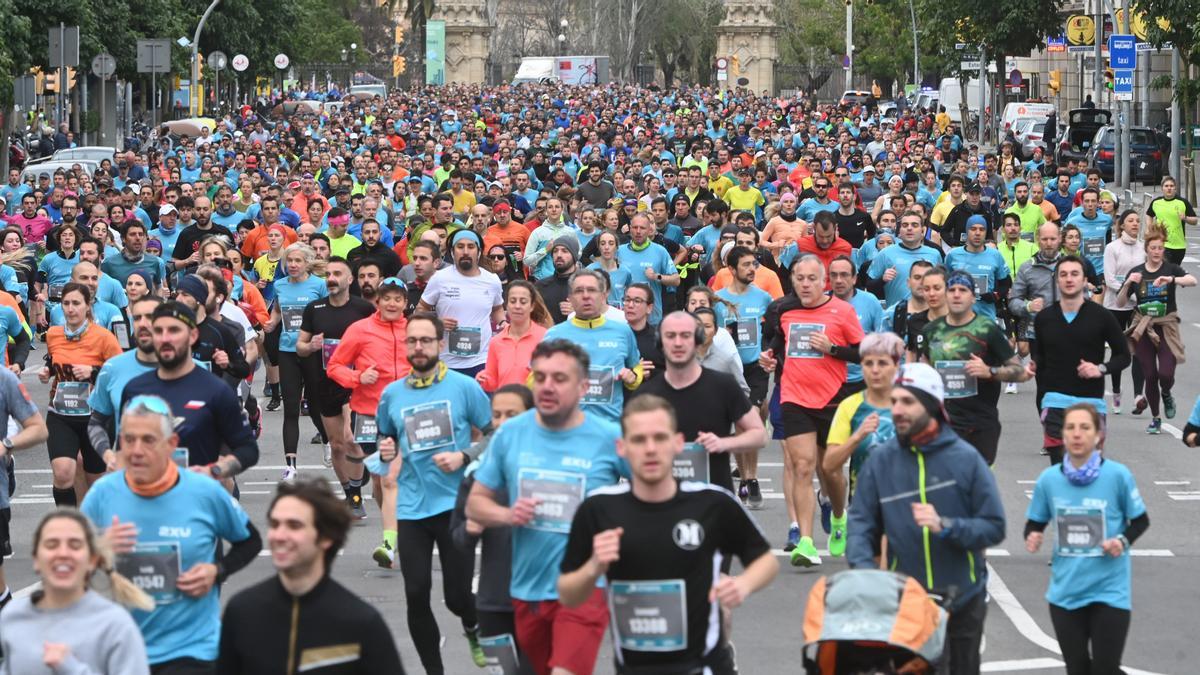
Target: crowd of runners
(557,327)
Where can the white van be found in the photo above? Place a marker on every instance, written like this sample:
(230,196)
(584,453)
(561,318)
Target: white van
(1012,111)
(950,95)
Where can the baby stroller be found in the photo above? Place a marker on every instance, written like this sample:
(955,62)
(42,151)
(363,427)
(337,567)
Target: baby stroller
(871,622)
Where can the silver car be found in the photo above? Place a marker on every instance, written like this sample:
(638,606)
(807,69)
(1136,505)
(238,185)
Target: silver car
(1030,134)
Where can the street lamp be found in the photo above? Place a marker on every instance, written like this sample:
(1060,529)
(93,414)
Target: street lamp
(194,93)
(562,37)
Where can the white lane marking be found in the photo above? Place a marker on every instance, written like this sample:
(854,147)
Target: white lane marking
(33,471)
(998,553)
(1151,553)
(1197,325)
(28,590)
(1023,622)
(1019,665)
(1173,430)
(1173,482)
(1027,482)
(1188,258)
(32,500)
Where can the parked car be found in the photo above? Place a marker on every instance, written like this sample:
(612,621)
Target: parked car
(1147,157)
(1030,134)
(854,97)
(1082,125)
(32,171)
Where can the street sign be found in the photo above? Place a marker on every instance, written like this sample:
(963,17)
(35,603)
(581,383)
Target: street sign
(969,66)
(153,55)
(104,65)
(1056,44)
(1123,85)
(722,63)
(1081,31)
(217,60)
(1147,47)
(281,61)
(1014,77)
(960,46)
(1122,52)
(25,92)
(64,47)
(241,62)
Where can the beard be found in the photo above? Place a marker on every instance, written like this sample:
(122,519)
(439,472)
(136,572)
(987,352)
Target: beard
(175,361)
(465,264)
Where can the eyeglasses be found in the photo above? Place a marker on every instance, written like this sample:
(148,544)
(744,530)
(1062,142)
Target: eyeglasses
(635,301)
(497,257)
(423,341)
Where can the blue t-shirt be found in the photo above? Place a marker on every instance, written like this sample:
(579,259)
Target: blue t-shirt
(610,346)
(902,259)
(526,459)
(10,282)
(55,270)
(751,307)
(292,297)
(190,518)
(168,239)
(810,207)
(870,317)
(986,267)
(707,236)
(1096,233)
(16,404)
(618,280)
(111,291)
(427,421)
(105,314)
(1082,574)
(654,257)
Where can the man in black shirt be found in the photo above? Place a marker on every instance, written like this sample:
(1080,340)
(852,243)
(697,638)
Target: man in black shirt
(373,248)
(933,292)
(556,288)
(322,326)
(656,540)
(853,224)
(707,402)
(217,345)
(638,305)
(187,246)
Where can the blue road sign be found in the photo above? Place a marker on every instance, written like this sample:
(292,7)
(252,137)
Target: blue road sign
(1123,84)
(1122,52)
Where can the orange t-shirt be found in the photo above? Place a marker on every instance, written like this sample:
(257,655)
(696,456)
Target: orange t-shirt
(764,277)
(93,348)
(255,244)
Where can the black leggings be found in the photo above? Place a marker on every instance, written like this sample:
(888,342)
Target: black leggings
(1124,316)
(271,346)
(492,624)
(1175,255)
(295,373)
(414,546)
(1102,627)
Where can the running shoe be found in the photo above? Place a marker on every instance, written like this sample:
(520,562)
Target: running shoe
(1168,405)
(316,439)
(1116,406)
(826,511)
(1155,426)
(383,555)
(357,510)
(477,654)
(755,498)
(327,456)
(274,404)
(837,540)
(256,422)
(743,493)
(289,474)
(1140,404)
(792,539)
(805,554)
(1010,388)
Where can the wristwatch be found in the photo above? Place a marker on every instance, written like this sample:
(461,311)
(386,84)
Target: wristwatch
(994,370)
(7,443)
(215,471)
(1103,369)
(947,523)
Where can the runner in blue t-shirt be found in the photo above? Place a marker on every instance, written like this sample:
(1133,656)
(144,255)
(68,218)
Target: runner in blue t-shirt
(292,295)
(648,262)
(430,416)
(985,265)
(889,269)
(1095,226)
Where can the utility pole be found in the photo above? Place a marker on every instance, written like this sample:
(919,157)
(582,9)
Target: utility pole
(849,44)
(198,108)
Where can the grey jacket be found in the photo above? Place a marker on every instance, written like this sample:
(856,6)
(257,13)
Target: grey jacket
(1034,280)
(102,637)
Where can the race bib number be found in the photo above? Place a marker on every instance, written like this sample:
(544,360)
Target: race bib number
(959,384)
(427,426)
(500,652)
(1093,246)
(465,341)
(692,463)
(365,430)
(1080,531)
(650,616)
(1027,236)
(180,457)
(799,335)
(747,334)
(327,349)
(983,283)
(601,384)
(559,494)
(54,293)
(154,568)
(292,318)
(70,398)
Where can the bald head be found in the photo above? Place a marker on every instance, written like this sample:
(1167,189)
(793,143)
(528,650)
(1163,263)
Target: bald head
(87,274)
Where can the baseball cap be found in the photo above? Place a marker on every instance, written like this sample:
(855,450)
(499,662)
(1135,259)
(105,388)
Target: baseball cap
(924,382)
(974,187)
(166,208)
(868,169)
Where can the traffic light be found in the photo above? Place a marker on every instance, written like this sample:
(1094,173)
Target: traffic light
(50,79)
(1109,78)
(1055,82)
(399,33)
(70,78)
(735,65)
(399,64)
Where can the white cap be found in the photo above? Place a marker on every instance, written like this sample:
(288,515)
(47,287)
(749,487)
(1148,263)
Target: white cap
(922,377)
(165,209)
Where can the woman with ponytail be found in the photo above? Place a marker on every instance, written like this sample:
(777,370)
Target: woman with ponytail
(68,626)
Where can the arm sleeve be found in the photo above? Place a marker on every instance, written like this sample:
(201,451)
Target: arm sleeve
(235,429)
(866,519)
(1137,527)
(458,519)
(97,431)
(240,553)
(579,541)
(1117,344)
(18,351)
(1033,526)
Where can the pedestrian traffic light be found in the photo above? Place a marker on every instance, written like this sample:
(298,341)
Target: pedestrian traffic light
(50,80)
(1109,78)
(1055,81)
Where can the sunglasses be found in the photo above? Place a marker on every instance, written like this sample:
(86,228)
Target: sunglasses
(500,256)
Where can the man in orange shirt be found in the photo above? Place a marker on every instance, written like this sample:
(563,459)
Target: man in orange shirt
(308,194)
(505,231)
(824,243)
(255,243)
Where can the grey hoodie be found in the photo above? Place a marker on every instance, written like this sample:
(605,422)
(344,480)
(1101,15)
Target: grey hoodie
(102,637)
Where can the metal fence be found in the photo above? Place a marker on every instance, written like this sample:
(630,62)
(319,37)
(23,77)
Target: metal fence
(822,83)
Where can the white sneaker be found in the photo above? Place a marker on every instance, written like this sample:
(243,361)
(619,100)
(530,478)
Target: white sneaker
(327,458)
(289,474)
(1010,388)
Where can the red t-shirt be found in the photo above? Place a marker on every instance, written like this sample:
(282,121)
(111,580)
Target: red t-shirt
(811,378)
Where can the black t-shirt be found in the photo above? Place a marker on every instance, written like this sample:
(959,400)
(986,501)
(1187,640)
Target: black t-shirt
(648,347)
(1145,291)
(322,317)
(855,228)
(915,324)
(675,545)
(947,348)
(213,336)
(712,403)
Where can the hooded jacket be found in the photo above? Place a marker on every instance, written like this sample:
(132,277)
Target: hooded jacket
(952,476)
(370,342)
(1034,280)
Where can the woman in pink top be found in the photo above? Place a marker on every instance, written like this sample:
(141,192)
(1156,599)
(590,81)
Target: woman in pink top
(509,351)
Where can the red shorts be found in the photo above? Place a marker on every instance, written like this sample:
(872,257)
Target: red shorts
(553,636)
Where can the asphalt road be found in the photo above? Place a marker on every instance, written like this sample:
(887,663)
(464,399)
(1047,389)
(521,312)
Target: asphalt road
(767,629)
